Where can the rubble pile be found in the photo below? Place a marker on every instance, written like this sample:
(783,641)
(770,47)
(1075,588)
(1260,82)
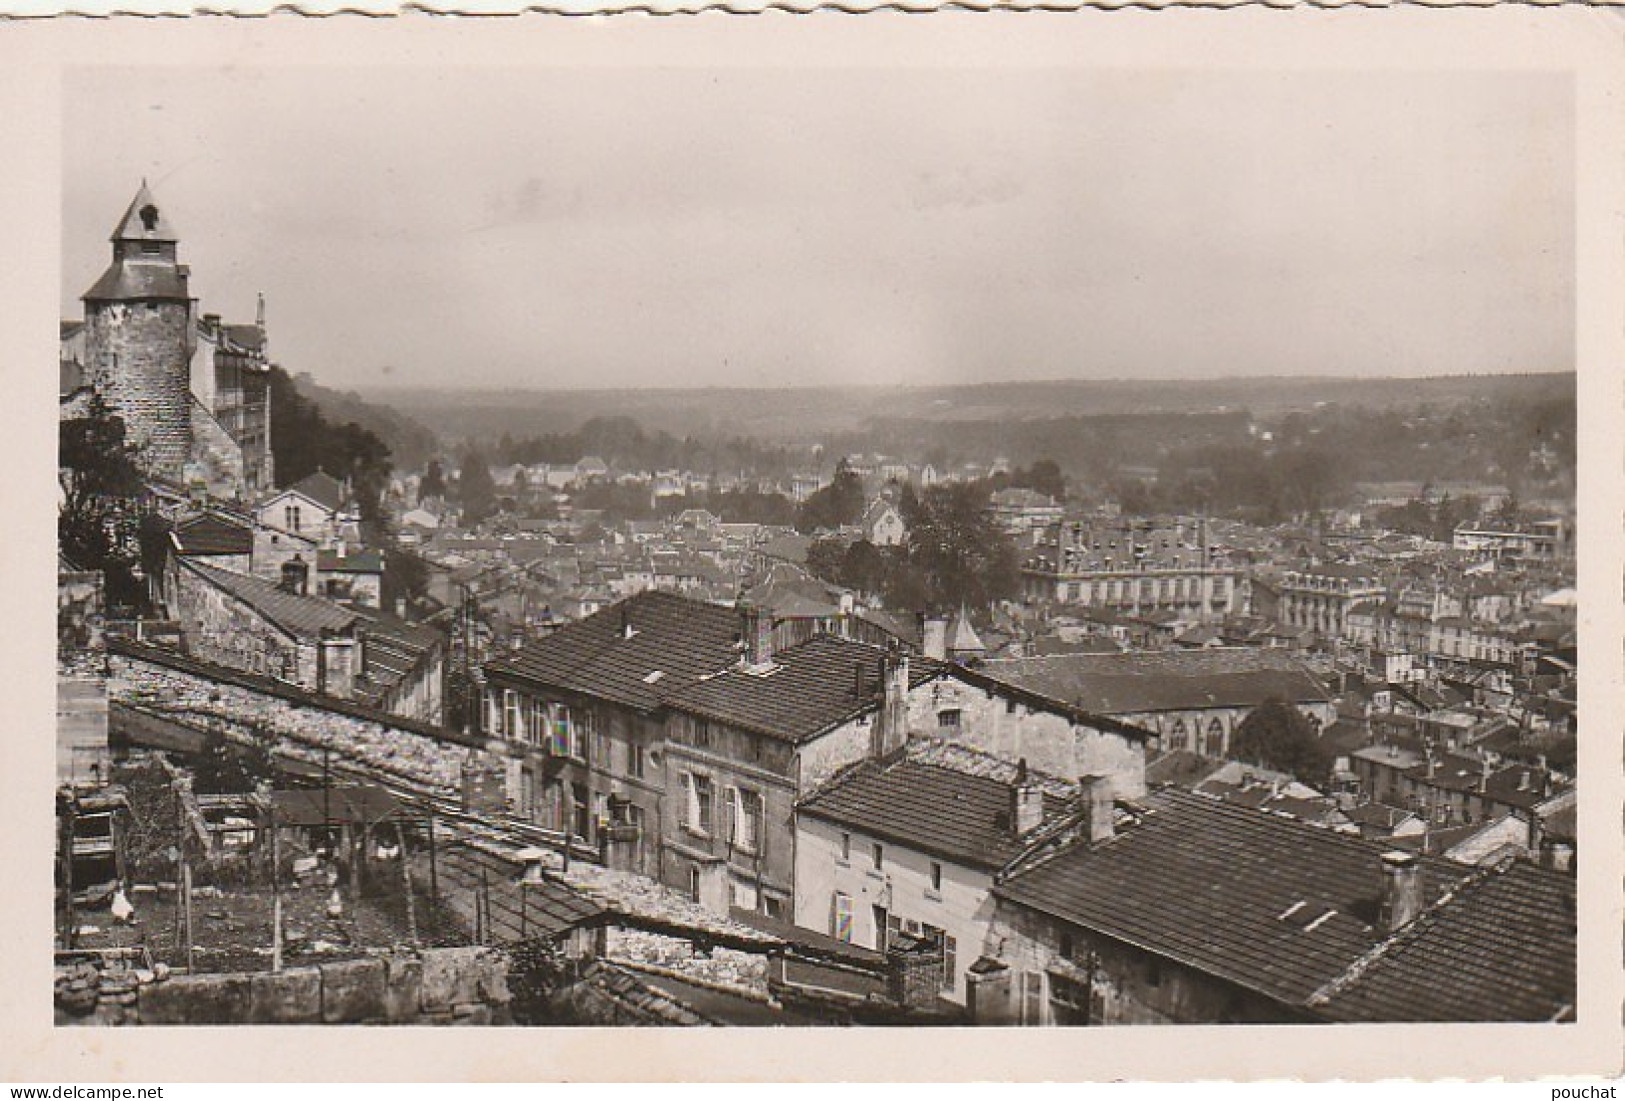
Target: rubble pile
(723,968)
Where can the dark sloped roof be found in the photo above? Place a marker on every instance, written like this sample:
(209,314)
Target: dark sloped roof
(248,337)
(213,534)
(1164,680)
(811,688)
(362,804)
(929,808)
(1503,949)
(362,561)
(1204,883)
(137,279)
(680,638)
(304,616)
(322,488)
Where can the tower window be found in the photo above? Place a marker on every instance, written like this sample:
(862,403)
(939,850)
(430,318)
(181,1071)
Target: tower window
(149,217)
(150,248)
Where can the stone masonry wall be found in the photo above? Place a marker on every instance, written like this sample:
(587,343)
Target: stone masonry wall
(403,750)
(138,360)
(456,986)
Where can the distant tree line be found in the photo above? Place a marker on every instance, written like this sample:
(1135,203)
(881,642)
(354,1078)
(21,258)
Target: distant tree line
(304,440)
(624,444)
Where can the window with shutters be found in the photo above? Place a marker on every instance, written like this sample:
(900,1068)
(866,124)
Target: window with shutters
(700,800)
(510,713)
(536,723)
(746,821)
(840,920)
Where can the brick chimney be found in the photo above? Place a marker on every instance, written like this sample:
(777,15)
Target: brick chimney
(756,632)
(1026,802)
(1401,890)
(889,731)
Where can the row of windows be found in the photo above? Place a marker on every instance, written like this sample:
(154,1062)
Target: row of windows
(737,819)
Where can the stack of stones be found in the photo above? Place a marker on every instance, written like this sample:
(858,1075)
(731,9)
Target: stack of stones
(107,994)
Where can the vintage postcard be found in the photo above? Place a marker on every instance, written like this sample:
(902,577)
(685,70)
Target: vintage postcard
(1055,545)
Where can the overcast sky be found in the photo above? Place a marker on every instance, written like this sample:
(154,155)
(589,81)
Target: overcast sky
(596,228)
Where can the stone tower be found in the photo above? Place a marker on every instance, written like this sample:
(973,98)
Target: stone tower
(139,333)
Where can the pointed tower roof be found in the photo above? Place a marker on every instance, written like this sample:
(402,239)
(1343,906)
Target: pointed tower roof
(962,637)
(144,267)
(144,220)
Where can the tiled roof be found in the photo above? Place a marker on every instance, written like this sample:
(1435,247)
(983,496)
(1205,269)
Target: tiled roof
(362,561)
(1503,949)
(303,616)
(1167,680)
(681,639)
(212,534)
(927,807)
(809,688)
(1204,884)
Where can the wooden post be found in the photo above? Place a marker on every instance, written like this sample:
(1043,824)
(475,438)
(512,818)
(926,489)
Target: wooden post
(276,899)
(186,904)
(524,911)
(485,908)
(69,830)
(406,883)
(434,872)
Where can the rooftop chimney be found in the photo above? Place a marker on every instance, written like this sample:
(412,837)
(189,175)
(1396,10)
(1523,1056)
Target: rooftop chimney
(1401,890)
(756,631)
(890,728)
(1100,818)
(934,637)
(295,576)
(1026,802)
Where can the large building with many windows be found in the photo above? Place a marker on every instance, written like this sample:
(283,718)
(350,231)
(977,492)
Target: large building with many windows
(1133,564)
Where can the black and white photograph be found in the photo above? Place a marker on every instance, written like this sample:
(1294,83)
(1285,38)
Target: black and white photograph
(817,543)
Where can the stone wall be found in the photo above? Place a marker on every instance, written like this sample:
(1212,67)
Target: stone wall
(166,685)
(459,986)
(139,359)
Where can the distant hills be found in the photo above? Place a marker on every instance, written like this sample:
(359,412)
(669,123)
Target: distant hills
(410,442)
(809,414)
